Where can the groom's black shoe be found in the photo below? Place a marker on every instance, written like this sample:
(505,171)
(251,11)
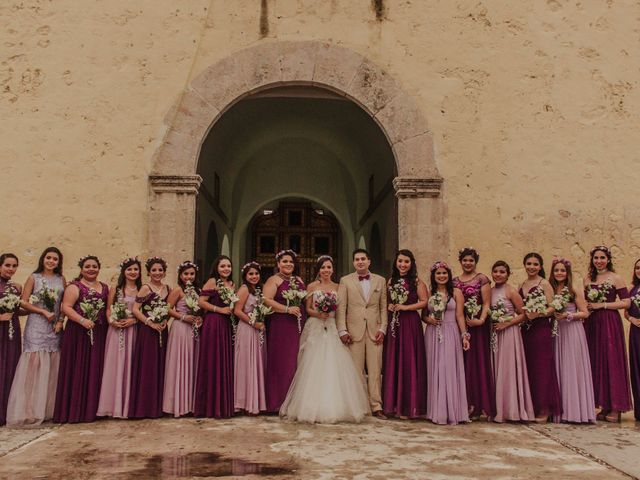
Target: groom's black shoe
(379,414)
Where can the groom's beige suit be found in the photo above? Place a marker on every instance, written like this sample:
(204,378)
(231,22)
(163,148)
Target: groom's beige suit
(362,317)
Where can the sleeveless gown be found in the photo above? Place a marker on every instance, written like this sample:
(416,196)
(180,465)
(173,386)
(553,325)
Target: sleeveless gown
(81,365)
(214,380)
(513,396)
(116,378)
(477,360)
(541,363)
(10,349)
(605,337)
(446,389)
(250,360)
(327,386)
(33,393)
(634,354)
(404,374)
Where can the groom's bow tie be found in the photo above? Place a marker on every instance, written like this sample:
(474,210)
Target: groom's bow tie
(364,277)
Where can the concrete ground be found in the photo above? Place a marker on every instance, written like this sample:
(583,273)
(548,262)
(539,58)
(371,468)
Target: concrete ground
(266,447)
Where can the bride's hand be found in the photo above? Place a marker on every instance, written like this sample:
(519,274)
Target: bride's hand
(323,315)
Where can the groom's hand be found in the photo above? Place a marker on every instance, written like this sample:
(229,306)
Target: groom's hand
(346,339)
(379,338)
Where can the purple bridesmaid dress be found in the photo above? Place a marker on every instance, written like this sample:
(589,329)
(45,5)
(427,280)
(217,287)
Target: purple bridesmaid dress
(10,350)
(283,340)
(81,365)
(541,364)
(477,360)
(147,368)
(404,386)
(634,355)
(214,378)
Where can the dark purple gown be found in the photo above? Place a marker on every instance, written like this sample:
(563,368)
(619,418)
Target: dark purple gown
(477,360)
(634,355)
(404,371)
(214,378)
(10,350)
(147,367)
(81,364)
(605,337)
(283,340)
(541,364)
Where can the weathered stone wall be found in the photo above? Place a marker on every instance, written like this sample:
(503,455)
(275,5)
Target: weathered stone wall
(534,110)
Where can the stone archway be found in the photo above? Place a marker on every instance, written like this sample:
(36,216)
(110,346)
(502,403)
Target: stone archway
(174,182)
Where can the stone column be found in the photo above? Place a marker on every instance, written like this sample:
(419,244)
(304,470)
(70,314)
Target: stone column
(421,220)
(172,215)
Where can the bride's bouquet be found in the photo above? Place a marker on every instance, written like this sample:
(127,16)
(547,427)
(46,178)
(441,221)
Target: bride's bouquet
(398,294)
(9,302)
(294,296)
(119,311)
(157,312)
(326,302)
(438,306)
(91,306)
(191,298)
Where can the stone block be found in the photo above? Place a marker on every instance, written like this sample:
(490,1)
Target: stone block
(222,83)
(194,116)
(336,66)
(297,60)
(415,156)
(372,87)
(402,119)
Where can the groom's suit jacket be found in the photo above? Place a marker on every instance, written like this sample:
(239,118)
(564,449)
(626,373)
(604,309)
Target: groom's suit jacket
(357,314)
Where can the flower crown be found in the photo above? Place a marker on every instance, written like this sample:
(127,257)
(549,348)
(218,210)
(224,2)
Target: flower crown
(85,258)
(467,249)
(127,262)
(151,260)
(251,264)
(282,253)
(438,265)
(187,264)
(322,258)
(561,260)
(601,248)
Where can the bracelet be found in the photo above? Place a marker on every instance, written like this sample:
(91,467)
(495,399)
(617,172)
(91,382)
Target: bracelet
(466,335)
(184,315)
(569,317)
(215,309)
(252,321)
(286,309)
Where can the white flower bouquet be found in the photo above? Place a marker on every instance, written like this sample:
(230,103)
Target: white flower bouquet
(398,294)
(438,306)
(91,307)
(9,302)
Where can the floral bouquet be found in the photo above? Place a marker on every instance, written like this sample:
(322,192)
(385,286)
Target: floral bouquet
(229,298)
(259,314)
(398,294)
(559,304)
(294,296)
(326,302)
(471,307)
(191,297)
(9,302)
(157,312)
(46,296)
(119,311)
(636,300)
(438,306)
(498,314)
(91,307)
(598,294)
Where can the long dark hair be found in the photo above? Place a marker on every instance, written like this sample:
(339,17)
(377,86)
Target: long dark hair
(568,282)
(538,257)
(214,267)
(245,269)
(186,266)
(593,272)
(636,280)
(319,262)
(81,263)
(502,263)
(58,269)
(434,284)
(122,279)
(412,274)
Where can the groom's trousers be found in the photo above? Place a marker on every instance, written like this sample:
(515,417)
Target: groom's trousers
(366,352)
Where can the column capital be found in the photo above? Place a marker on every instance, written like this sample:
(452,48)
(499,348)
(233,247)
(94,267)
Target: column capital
(188,184)
(415,187)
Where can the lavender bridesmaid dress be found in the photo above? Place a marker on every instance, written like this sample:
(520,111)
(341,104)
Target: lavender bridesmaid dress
(574,372)
(116,378)
(283,339)
(634,354)
(605,337)
(446,390)
(10,349)
(214,380)
(477,360)
(513,397)
(404,377)
(81,365)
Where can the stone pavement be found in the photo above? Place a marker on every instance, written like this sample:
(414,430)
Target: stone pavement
(266,447)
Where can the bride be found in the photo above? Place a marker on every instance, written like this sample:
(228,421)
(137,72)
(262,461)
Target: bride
(327,387)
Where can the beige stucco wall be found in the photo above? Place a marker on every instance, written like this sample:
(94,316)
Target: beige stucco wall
(534,109)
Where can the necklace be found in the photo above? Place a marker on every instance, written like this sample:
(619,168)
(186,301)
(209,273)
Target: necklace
(157,292)
(284,277)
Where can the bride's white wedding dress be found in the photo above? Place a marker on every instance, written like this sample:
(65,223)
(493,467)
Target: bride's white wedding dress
(327,387)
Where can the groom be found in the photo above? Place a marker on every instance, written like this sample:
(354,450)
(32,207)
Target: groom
(362,322)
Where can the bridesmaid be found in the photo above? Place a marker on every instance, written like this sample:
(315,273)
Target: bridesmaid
(214,380)
(284,327)
(81,362)
(571,351)
(182,347)
(605,336)
(121,338)
(250,348)
(33,393)
(446,390)
(513,397)
(404,387)
(10,337)
(633,315)
(477,360)
(149,351)
(538,343)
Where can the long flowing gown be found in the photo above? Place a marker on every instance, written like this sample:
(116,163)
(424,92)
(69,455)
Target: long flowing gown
(404,374)
(573,368)
(214,380)
(446,389)
(283,339)
(115,392)
(250,360)
(634,354)
(147,367)
(10,348)
(605,337)
(513,396)
(81,365)
(327,386)
(180,371)
(33,393)
(477,360)
(541,363)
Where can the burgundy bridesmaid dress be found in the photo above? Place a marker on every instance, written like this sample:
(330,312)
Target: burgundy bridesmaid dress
(10,350)
(634,354)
